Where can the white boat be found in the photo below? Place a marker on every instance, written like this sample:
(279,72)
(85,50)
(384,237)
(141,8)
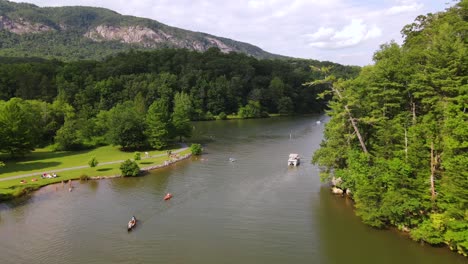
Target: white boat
(294,159)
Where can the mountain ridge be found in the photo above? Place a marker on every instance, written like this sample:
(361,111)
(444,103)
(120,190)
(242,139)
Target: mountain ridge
(81,32)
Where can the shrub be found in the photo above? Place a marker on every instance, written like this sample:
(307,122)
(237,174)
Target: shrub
(285,106)
(196,149)
(209,116)
(68,137)
(93,162)
(84,177)
(222,116)
(129,168)
(137,156)
(252,110)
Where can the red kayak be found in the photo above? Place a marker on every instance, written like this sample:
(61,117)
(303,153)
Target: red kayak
(167,197)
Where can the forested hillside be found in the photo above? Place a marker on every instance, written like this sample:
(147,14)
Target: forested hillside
(398,133)
(79,32)
(138,98)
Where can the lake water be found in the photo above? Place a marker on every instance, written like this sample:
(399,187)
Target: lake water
(253,210)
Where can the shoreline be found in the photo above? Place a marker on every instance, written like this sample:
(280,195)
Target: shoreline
(143,171)
(405,231)
(29,189)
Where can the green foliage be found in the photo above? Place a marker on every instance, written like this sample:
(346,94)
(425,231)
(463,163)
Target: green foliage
(410,109)
(209,116)
(430,230)
(457,233)
(127,126)
(84,177)
(69,137)
(181,114)
(220,83)
(19,128)
(285,106)
(129,168)
(216,95)
(196,149)
(159,124)
(2,164)
(93,162)
(137,156)
(252,110)
(222,116)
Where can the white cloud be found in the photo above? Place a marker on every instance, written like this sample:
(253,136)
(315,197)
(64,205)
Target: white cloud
(373,32)
(256,4)
(322,33)
(404,8)
(350,35)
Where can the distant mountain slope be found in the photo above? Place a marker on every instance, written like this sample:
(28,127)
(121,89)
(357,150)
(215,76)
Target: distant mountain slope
(77,32)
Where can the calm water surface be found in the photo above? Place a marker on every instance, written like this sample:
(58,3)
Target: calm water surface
(253,210)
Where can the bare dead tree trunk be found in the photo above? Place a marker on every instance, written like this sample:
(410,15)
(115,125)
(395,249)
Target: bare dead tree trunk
(353,122)
(406,145)
(433,168)
(413,108)
(358,134)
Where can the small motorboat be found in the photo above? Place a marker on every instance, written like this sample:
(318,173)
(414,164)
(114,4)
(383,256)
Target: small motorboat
(232,159)
(131,223)
(294,159)
(167,197)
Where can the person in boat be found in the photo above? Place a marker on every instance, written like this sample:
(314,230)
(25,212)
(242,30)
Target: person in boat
(131,223)
(168,196)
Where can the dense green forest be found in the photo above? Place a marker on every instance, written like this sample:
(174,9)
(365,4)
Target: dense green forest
(398,133)
(140,99)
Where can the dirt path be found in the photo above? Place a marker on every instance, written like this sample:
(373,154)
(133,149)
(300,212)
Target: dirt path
(84,167)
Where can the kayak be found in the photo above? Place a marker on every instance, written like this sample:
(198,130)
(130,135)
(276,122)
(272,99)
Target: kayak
(167,197)
(131,224)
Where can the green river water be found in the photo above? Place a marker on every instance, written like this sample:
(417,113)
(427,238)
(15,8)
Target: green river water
(253,210)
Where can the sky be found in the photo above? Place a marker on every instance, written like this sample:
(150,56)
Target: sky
(342,31)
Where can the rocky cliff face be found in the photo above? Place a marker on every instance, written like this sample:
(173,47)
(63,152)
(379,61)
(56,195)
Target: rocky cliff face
(151,38)
(217,43)
(136,34)
(130,34)
(22,26)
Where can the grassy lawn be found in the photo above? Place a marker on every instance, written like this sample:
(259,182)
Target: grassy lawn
(275,115)
(12,188)
(45,160)
(238,117)
(232,117)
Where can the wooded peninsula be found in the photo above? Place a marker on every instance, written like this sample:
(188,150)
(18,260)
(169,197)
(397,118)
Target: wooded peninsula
(398,135)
